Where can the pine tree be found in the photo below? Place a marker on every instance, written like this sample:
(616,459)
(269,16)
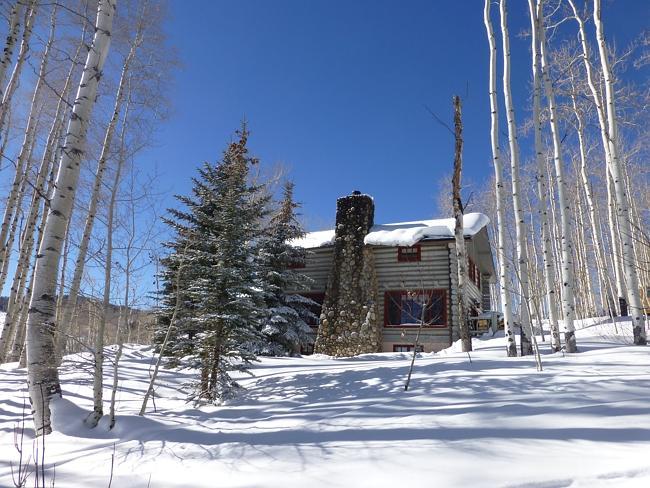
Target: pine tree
(222,303)
(285,328)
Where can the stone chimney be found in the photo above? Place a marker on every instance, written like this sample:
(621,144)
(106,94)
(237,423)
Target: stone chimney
(349,314)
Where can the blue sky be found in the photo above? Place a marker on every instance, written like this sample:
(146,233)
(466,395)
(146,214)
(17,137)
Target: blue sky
(336,91)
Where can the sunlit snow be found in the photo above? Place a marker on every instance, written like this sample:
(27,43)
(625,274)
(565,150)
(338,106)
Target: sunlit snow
(584,421)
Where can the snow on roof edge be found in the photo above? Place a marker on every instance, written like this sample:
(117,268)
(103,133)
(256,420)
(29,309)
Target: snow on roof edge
(401,233)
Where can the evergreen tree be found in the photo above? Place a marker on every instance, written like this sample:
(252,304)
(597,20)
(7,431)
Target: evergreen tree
(285,328)
(217,325)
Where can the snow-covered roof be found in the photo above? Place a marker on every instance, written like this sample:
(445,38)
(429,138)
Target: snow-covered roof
(402,233)
(311,240)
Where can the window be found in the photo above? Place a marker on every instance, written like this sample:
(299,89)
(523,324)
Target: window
(297,264)
(409,253)
(408,308)
(406,348)
(474,273)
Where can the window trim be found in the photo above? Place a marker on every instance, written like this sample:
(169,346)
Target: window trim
(439,291)
(409,347)
(403,257)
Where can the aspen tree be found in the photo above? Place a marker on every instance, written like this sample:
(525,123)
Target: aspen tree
(542,177)
(17,317)
(12,37)
(604,131)
(75,284)
(568,305)
(15,198)
(640,239)
(504,266)
(615,168)
(98,371)
(43,378)
(27,241)
(535,293)
(591,206)
(124,315)
(23,51)
(520,227)
(49,155)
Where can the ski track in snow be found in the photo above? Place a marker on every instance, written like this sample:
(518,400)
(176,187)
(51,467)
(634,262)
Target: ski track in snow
(317,421)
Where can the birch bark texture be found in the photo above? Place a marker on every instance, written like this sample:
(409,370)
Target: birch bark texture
(461,253)
(542,178)
(568,302)
(43,378)
(124,316)
(520,223)
(22,165)
(616,170)
(23,51)
(607,299)
(504,267)
(12,37)
(98,374)
(82,253)
(604,134)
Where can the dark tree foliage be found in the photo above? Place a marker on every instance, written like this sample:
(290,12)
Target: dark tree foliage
(284,328)
(216,234)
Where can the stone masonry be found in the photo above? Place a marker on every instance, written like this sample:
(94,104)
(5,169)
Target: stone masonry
(348,321)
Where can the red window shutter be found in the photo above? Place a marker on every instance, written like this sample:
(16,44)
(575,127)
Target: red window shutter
(409,254)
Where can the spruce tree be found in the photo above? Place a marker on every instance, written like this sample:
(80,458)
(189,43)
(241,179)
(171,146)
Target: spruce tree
(285,328)
(217,325)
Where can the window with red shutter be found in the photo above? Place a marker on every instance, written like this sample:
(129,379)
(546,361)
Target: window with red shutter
(409,253)
(404,308)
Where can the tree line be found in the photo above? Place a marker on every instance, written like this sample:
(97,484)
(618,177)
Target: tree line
(569,221)
(74,243)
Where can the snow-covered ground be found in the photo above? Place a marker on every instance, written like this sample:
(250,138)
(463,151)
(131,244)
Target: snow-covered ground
(321,422)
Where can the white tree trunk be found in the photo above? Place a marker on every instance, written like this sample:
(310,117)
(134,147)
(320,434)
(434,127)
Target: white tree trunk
(23,159)
(607,299)
(14,200)
(502,258)
(98,385)
(12,36)
(43,378)
(568,306)
(520,223)
(616,170)
(604,134)
(123,320)
(82,253)
(18,349)
(615,245)
(23,267)
(12,85)
(542,178)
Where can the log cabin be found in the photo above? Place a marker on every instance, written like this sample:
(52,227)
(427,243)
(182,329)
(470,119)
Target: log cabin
(376,286)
